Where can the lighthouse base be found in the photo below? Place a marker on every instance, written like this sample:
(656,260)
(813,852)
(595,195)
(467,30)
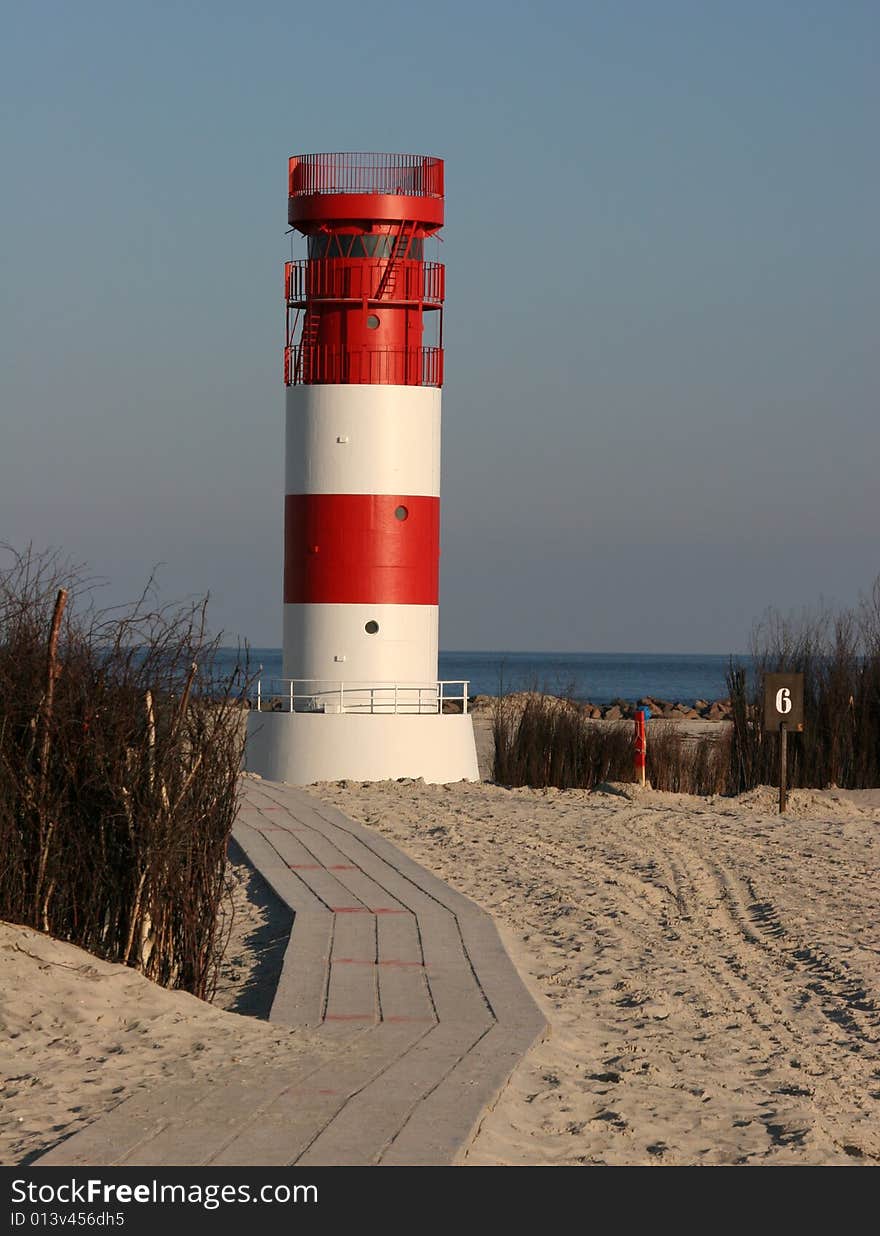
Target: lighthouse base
(301,748)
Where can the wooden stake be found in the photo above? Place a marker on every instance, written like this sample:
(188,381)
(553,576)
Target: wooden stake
(783,767)
(51,678)
(45,716)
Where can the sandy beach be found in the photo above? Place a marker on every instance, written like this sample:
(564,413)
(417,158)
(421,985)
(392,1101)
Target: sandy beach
(78,1035)
(710,973)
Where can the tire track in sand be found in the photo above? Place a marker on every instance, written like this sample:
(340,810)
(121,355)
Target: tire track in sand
(763,960)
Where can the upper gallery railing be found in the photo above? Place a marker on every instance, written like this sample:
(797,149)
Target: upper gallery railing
(409,175)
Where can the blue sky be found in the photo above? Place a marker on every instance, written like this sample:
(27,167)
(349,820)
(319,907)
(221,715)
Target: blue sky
(662,269)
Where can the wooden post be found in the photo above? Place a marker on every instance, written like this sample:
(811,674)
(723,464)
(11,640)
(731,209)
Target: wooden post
(44,717)
(783,711)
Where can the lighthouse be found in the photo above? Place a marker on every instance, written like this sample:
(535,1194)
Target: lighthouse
(360,696)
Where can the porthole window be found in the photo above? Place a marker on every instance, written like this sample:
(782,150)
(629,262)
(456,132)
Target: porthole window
(372,321)
(401,513)
(371,627)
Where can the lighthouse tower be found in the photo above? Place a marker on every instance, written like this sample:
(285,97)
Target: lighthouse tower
(360,697)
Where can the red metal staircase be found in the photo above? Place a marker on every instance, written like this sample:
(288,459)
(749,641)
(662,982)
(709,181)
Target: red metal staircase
(311,322)
(388,281)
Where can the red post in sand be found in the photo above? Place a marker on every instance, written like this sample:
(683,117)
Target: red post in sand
(640,746)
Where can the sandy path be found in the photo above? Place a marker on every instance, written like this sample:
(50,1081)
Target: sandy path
(712,974)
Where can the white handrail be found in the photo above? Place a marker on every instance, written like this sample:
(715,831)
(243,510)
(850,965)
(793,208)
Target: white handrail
(404,697)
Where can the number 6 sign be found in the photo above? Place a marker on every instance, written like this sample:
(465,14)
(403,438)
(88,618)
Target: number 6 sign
(783,711)
(783,701)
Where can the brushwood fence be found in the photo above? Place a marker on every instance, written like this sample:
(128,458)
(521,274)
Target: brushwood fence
(120,750)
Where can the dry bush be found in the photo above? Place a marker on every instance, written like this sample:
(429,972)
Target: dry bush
(120,751)
(548,741)
(687,765)
(552,742)
(839,655)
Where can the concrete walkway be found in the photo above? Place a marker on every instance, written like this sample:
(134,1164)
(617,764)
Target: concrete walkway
(411,980)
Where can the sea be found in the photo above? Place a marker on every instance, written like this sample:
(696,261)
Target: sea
(599,677)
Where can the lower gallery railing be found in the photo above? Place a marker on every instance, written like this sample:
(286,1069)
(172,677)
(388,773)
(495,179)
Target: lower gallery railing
(325,696)
(317,364)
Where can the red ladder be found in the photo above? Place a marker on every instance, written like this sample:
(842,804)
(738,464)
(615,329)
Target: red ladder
(305,368)
(388,282)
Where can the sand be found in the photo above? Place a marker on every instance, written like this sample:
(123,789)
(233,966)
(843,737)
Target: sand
(711,972)
(78,1035)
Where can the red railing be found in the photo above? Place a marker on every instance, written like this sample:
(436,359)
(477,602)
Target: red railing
(407,175)
(319,364)
(340,279)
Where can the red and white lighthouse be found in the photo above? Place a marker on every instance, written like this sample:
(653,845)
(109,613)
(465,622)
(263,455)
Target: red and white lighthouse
(360,696)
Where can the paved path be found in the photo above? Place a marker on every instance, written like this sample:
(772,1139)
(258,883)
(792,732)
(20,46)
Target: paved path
(409,978)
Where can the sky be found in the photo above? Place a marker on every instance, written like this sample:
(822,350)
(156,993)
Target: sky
(660,410)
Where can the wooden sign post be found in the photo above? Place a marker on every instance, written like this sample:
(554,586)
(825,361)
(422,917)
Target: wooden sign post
(783,711)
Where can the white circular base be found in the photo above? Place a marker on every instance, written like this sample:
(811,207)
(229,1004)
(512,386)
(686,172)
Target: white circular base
(301,748)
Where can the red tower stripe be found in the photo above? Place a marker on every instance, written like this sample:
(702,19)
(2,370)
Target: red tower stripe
(351,549)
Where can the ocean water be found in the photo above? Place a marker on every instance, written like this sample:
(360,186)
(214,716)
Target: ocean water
(599,677)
